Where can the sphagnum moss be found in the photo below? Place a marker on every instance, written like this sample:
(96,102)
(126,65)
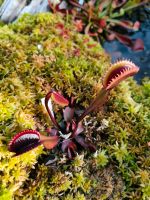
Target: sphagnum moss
(35,56)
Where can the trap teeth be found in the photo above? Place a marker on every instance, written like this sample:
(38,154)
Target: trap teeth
(118,72)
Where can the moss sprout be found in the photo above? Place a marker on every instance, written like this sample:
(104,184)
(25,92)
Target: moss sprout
(101,158)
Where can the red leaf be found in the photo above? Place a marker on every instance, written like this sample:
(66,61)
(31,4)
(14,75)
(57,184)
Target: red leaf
(49,142)
(68,144)
(74,125)
(71,153)
(71,150)
(129,25)
(59,99)
(86,145)
(126,24)
(78,25)
(49,109)
(68,127)
(52,131)
(78,130)
(68,114)
(65,144)
(136,25)
(62,30)
(102,23)
(138,45)
(123,39)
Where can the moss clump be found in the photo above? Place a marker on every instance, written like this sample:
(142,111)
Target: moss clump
(101,158)
(41,52)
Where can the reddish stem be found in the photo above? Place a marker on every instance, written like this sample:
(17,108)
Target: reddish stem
(48,96)
(97,102)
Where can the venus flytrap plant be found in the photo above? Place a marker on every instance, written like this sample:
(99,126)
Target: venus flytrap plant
(67,133)
(118,72)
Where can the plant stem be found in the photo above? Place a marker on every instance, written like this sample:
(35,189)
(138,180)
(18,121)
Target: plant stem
(48,96)
(97,102)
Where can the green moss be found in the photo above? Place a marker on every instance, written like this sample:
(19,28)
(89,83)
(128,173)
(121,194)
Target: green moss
(101,158)
(78,196)
(35,57)
(60,183)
